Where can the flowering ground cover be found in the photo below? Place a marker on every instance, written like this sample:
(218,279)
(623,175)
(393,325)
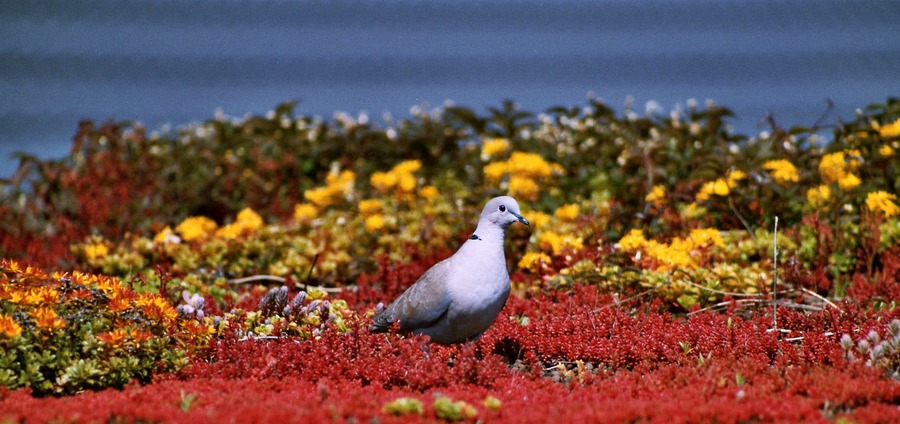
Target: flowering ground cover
(674,271)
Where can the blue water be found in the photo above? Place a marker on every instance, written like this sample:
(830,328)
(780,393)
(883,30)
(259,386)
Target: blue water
(175,62)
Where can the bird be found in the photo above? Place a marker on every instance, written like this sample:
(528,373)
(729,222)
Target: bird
(459,298)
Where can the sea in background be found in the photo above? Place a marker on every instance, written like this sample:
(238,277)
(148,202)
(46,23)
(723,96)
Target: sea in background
(169,63)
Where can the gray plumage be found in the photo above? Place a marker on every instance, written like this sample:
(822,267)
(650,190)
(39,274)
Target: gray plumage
(458,298)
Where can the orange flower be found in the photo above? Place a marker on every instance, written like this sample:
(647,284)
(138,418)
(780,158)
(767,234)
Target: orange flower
(196,328)
(46,319)
(16,297)
(42,296)
(113,338)
(111,286)
(156,308)
(35,273)
(139,336)
(9,327)
(13,266)
(119,302)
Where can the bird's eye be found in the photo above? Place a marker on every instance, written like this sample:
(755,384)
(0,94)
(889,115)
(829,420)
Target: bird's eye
(502,208)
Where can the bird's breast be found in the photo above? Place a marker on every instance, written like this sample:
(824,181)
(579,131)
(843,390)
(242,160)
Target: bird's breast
(478,286)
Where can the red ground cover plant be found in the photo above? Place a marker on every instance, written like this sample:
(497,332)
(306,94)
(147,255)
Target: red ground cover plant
(577,359)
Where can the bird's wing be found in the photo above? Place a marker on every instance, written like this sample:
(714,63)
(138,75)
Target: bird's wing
(421,305)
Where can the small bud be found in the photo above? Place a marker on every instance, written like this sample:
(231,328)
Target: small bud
(863,347)
(873,338)
(894,327)
(846,342)
(877,353)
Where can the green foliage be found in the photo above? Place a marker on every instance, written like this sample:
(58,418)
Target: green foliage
(403,406)
(187,401)
(450,410)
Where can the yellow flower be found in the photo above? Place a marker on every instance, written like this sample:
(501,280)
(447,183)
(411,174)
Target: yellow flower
(633,240)
(890,130)
(196,228)
(9,327)
(95,250)
(886,151)
(567,212)
(818,196)
(249,219)
(305,212)
(400,176)
(837,167)
(493,146)
(337,186)
(166,236)
(523,167)
(734,176)
(831,167)
(657,195)
(854,159)
(407,182)
(320,196)
(537,219)
(343,180)
(495,171)
(533,260)
(46,319)
(679,253)
(523,187)
(883,201)
(407,167)
(369,206)
(676,254)
(529,164)
(783,171)
(230,231)
(848,181)
(428,192)
(383,181)
(718,187)
(557,242)
(702,237)
(374,222)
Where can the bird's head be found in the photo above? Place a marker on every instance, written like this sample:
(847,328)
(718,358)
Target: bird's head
(502,211)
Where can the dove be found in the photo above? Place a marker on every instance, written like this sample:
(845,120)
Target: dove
(457,299)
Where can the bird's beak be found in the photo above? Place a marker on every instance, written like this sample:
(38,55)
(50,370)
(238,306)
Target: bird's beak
(522,219)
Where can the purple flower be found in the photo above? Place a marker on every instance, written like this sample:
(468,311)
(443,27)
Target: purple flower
(193,304)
